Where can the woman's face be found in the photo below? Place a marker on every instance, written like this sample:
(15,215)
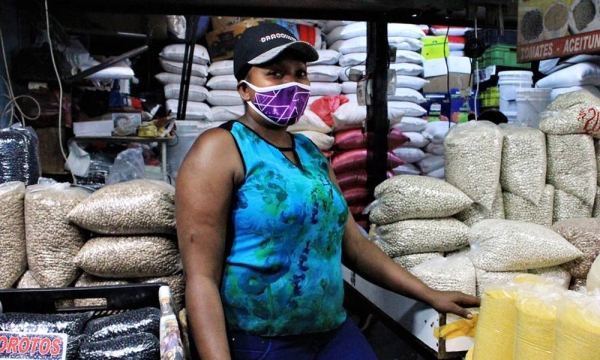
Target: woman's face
(283,69)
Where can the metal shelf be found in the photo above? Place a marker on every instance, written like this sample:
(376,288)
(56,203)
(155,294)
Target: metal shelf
(162,140)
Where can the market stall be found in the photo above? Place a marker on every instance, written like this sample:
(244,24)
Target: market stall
(464,205)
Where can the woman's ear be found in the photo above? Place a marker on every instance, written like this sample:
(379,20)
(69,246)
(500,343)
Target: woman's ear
(244,91)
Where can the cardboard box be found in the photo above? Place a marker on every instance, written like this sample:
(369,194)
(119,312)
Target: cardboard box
(51,157)
(440,83)
(453,64)
(93,128)
(456,107)
(437,106)
(221,42)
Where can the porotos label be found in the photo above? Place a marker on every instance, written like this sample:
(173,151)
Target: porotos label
(30,346)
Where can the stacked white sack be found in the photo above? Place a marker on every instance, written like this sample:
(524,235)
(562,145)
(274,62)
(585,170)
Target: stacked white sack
(171,60)
(224,99)
(574,74)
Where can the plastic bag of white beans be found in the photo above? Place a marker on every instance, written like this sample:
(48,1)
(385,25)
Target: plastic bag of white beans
(509,245)
(473,153)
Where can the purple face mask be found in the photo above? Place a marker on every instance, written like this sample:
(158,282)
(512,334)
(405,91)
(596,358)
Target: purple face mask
(281,104)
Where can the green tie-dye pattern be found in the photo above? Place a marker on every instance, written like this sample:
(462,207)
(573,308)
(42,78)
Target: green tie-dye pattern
(283,275)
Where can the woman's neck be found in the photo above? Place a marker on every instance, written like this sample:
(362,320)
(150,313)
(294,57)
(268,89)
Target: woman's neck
(276,135)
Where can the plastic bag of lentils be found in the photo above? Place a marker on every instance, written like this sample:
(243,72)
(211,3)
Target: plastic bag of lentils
(133,207)
(12,233)
(129,257)
(52,242)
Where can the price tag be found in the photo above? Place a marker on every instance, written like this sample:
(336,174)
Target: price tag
(33,346)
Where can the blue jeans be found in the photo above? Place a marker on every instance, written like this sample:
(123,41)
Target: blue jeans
(343,343)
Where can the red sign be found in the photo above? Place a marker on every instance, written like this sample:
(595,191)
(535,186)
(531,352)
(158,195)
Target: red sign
(30,346)
(565,46)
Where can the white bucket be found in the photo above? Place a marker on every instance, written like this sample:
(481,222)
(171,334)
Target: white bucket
(187,132)
(508,83)
(530,103)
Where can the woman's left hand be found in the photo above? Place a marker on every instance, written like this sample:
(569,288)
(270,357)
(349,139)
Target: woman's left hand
(453,302)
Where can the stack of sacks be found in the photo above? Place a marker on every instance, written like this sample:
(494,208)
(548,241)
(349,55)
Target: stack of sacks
(570,125)
(349,163)
(584,234)
(323,75)
(526,195)
(412,152)
(473,154)
(579,72)
(350,40)
(134,223)
(433,163)
(504,249)
(414,226)
(171,60)
(225,102)
(313,127)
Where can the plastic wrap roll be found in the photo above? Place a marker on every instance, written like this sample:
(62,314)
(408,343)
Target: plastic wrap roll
(19,156)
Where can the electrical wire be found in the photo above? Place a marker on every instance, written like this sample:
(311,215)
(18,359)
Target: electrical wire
(12,99)
(60,88)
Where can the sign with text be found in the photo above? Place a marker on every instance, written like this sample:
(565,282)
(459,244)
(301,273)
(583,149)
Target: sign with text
(32,346)
(550,29)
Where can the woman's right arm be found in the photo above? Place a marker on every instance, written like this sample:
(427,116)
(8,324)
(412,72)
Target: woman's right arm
(205,183)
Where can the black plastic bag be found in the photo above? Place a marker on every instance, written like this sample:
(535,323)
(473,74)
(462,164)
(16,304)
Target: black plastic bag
(141,346)
(144,320)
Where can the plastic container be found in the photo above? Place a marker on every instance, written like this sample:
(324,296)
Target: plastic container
(503,55)
(187,132)
(508,83)
(530,103)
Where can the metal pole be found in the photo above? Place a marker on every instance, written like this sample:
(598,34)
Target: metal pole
(377,124)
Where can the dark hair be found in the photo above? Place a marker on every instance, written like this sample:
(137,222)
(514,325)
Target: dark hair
(493,115)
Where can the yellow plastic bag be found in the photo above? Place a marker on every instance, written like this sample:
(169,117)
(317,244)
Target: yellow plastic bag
(536,315)
(495,334)
(577,334)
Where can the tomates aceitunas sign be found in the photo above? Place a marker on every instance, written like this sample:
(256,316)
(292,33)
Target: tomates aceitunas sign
(550,29)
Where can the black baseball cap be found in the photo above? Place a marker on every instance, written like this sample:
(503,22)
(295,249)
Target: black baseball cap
(264,42)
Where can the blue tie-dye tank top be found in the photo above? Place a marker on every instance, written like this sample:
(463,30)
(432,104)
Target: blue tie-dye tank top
(283,275)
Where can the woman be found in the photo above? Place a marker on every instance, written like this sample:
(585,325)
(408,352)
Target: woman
(263,227)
